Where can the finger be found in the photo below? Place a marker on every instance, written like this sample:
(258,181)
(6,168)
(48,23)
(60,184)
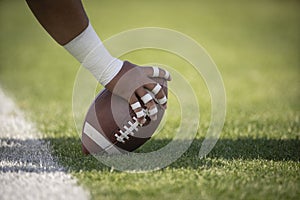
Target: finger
(138,110)
(157,72)
(159,94)
(148,102)
(160,73)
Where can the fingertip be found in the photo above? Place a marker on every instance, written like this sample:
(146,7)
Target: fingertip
(142,121)
(167,75)
(162,101)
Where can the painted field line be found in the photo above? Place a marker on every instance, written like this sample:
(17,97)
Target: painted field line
(27,168)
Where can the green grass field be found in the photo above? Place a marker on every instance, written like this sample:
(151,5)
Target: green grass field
(256,47)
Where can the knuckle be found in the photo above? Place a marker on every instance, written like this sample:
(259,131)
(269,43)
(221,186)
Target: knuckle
(150,104)
(146,98)
(160,95)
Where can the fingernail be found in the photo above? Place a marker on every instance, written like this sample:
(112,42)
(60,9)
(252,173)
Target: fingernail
(143,122)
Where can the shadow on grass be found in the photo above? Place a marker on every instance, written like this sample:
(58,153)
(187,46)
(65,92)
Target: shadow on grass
(69,152)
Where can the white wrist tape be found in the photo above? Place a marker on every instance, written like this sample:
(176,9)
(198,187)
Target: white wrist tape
(89,50)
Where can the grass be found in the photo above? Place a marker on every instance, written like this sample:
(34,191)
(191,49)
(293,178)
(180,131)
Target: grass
(256,47)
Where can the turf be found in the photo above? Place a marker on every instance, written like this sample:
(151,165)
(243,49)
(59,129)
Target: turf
(256,47)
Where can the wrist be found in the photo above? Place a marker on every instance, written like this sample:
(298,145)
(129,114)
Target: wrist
(89,50)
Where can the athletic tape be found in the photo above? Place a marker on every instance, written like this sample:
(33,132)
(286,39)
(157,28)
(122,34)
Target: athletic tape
(162,100)
(135,105)
(89,50)
(146,98)
(167,74)
(152,111)
(140,114)
(155,72)
(156,89)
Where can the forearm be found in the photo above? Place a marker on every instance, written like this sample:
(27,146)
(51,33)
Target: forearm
(62,19)
(67,22)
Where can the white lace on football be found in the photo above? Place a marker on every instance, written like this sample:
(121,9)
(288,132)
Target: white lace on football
(146,98)
(156,89)
(155,72)
(128,130)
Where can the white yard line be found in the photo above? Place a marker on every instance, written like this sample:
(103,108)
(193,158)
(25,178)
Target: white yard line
(27,168)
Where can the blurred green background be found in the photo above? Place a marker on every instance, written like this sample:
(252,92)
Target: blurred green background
(256,46)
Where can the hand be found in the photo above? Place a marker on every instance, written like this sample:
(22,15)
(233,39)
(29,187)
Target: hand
(132,83)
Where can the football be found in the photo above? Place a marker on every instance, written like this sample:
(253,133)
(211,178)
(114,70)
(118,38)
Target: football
(110,117)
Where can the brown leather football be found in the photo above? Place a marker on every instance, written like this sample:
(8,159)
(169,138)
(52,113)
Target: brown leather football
(110,125)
